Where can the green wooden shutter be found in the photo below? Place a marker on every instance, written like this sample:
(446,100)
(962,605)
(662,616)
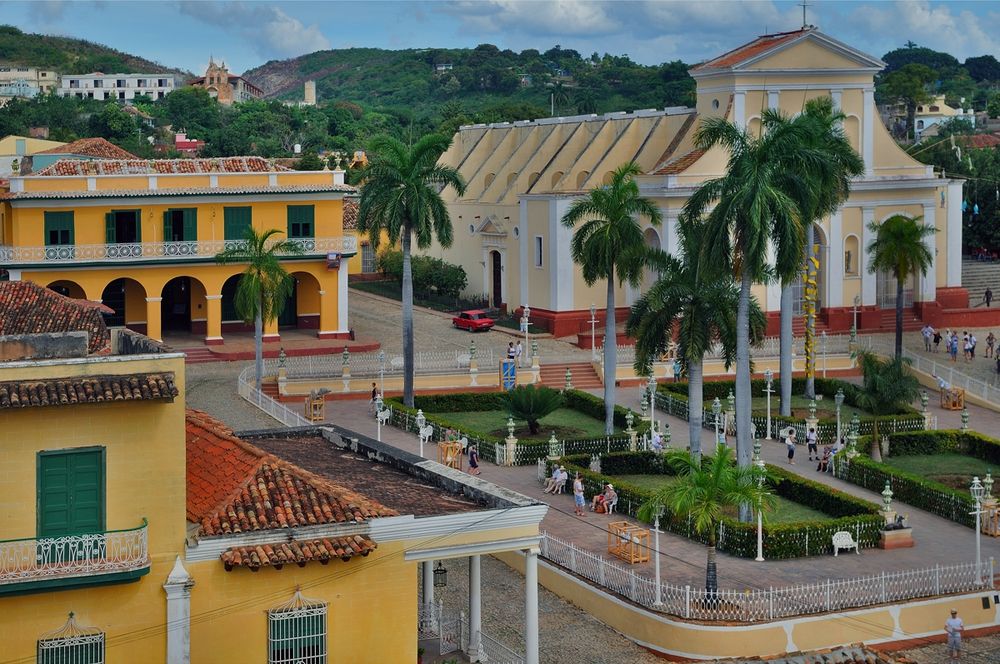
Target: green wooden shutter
(300,221)
(190,224)
(109,227)
(137,220)
(70,492)
(236,221)
(168,225)
(59,228)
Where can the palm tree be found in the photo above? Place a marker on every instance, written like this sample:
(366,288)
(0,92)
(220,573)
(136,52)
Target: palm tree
(702,492)
(887,385)
(899,247)
(265,285)
(401,197)
(746,209)
(610,242)
(700,306)
(819,187)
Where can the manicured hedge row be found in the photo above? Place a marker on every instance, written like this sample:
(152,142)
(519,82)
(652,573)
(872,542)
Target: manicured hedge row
(913,489)
(786,540)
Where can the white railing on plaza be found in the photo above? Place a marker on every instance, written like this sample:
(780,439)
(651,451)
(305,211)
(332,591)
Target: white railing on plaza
(972,386)
(755,605)
(452,633)
(246,384)
(166,251)
(371,364)
(35,559)
(769,347)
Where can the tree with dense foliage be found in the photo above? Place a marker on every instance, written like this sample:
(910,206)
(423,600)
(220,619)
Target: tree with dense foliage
(401,197)
(609,243)
(703,491)
(530,403)
(696,306)
(983,68)
(899,247)
(908,86)
(265,285)
(887,384)
(309,161)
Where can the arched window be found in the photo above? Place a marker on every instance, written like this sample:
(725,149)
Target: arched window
(556,177)
(511,179)
(532,179)
(581,179)
(490,177)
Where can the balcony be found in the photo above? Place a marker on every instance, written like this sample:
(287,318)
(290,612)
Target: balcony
(141,252)
(73,560)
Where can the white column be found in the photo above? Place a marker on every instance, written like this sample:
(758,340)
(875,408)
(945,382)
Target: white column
(953,229)
(342,322)
(739,109)
(928,282)
(773,99)
(475,607)
(427,568)
(531,606)
(868,131)
(562,271)
(835,263)
(178,588)
(524,241)
(867,279)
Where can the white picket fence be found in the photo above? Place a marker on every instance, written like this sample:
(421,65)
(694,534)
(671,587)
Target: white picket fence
(756,605)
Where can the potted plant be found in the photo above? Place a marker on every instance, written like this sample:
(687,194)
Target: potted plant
(420,654)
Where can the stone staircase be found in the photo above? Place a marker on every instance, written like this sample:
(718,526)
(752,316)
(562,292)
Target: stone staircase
(976,276)
(198,355)
(583,375)
(910,320)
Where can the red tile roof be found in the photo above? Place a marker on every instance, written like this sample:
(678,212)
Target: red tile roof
(979,141)
(293,551)
(92,389)
(350,214)
(234,487)
(27,308)
(753,49)
(91,147)
(132,165)
(681,164)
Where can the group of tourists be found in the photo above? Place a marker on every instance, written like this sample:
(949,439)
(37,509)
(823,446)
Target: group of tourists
(967,343)
(812,448)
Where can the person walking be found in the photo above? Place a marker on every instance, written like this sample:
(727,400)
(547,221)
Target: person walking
(790,444)
(473,460)
(928,333)
(972,345)
(511,350)
(937,341)
(578,500)
(966,346)
(990,343)
(988,297)
(954,627)
(954,346)
(811,441)
(518,350)
(371,403)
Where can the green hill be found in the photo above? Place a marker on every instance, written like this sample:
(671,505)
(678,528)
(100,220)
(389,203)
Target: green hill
(73,56)
(425,80)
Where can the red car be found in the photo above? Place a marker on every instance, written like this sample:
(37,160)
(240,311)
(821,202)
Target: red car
(473,321)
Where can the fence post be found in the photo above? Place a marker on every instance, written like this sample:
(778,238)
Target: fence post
(545,545)
(440,625)
(883,587)
(572,557)
(770,603)
(828,594)
(687,601)
(937,579)
(600,570)
(631,586)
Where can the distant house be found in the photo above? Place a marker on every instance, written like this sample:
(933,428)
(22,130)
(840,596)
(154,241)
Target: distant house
(443,67)
(85,149)
(937,112)
(13,150)
(123,87)
(189,147)
(44,80)
(227,88)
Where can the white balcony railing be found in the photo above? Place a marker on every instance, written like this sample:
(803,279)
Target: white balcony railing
(155,251)
(38,559)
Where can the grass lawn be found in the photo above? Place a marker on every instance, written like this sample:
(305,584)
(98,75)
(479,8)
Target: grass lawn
(567,423)
(953,470)
(800,408)
(785,511)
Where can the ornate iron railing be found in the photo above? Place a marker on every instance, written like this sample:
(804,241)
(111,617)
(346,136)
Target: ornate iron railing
(39,558)
(156,251)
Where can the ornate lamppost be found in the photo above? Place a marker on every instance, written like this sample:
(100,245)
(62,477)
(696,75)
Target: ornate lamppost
(768,383)
(978,491)
(716,410)
(761,473)
(838,399)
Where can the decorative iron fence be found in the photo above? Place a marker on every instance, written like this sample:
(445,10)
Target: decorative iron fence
(33,559)
(758,605)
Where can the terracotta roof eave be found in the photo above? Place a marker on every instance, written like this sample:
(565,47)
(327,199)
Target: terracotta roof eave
(298,552)
(87,389)
(193,191)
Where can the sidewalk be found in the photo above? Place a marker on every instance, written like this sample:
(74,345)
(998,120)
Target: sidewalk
(939,541)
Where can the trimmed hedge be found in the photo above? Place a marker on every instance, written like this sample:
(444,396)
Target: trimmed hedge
(913,489)
(786,540)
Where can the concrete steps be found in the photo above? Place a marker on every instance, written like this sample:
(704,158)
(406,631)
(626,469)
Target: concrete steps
(583,375)
(977,276)
(910,321)
(198,355)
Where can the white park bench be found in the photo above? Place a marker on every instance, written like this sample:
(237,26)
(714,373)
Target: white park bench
(843,540)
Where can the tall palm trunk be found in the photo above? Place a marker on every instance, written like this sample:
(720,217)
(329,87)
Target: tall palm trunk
(743,442)
(696,405)
(785,353)
(610,357)
(407,318)
(811,318)
(258,341)
(711,570)
(899,316)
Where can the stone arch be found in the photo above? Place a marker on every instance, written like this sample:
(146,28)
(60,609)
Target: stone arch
(183,307)
(652,238)
(606,180)
(754,125)
(556,177)
(303,308)
(127,297)
(581,179)
(68,288)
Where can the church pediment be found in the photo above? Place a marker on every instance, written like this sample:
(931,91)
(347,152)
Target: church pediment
(492,225)
(812,51)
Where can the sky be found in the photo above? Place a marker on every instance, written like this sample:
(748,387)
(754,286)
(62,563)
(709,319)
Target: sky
(247,33)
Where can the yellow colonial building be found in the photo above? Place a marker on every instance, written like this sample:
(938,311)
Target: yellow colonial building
(140,236)
(133,530)
(523,176)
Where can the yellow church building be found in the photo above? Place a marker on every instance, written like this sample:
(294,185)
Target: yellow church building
(140,236)
(523,176)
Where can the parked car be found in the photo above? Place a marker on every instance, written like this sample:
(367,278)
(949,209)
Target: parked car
(473,321)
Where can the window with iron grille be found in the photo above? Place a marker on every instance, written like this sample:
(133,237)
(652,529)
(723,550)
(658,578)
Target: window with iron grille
(72,644)
(367,257)
(296,632)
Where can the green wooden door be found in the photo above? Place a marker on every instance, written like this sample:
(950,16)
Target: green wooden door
(70,492)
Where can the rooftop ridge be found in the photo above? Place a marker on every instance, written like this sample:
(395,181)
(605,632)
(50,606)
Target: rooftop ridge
(136,166)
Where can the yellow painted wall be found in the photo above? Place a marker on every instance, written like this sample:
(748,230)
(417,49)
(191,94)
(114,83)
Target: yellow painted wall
(117,182)
(145,477)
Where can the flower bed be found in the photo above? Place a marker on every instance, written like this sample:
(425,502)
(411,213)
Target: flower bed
(436,408)
(912,489)
(787,540)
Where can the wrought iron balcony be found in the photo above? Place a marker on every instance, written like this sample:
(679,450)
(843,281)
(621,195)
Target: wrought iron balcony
(118,553)
(154,251)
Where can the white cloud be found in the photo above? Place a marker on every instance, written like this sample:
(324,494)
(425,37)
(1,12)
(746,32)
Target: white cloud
(47,12)
(567,18)
(270,31)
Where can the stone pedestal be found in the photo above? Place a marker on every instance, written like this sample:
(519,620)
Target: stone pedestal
(282,381)
(633,437)
(474,373)
(511,445)
(896,539)
(889,516)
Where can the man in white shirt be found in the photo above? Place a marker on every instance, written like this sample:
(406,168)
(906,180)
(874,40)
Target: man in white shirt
(954,627)
(518,350)
(928,333)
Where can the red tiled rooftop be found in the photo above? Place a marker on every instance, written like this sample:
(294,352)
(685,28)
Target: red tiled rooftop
(92,147)
(681,164)
(283,553)
(181,191)
(27,308)
(757,47)
(350,214)
(90,389)
(979,141)
(235,487)
(132,165)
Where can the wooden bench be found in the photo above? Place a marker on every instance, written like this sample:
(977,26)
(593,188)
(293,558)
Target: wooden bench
(844,540)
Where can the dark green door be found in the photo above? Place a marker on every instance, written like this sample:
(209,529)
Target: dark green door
(236,221)
(289,315)
(70,492)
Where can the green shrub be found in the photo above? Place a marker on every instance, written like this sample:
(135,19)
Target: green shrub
(430,275)
(530,403)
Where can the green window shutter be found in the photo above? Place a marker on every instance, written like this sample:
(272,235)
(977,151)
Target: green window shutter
(109,227)
(70,492)
(59,228)
(236,221)
(300,221)
(190,224)
(168,225)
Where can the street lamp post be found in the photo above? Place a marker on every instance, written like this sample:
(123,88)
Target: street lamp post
(525,322)
(378,419)
(769,381)
(839,400)
(593,333)
(759,464)
(652,404)
(978,491)
(658,602)
(716,410)
(421,421)
(381,371)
